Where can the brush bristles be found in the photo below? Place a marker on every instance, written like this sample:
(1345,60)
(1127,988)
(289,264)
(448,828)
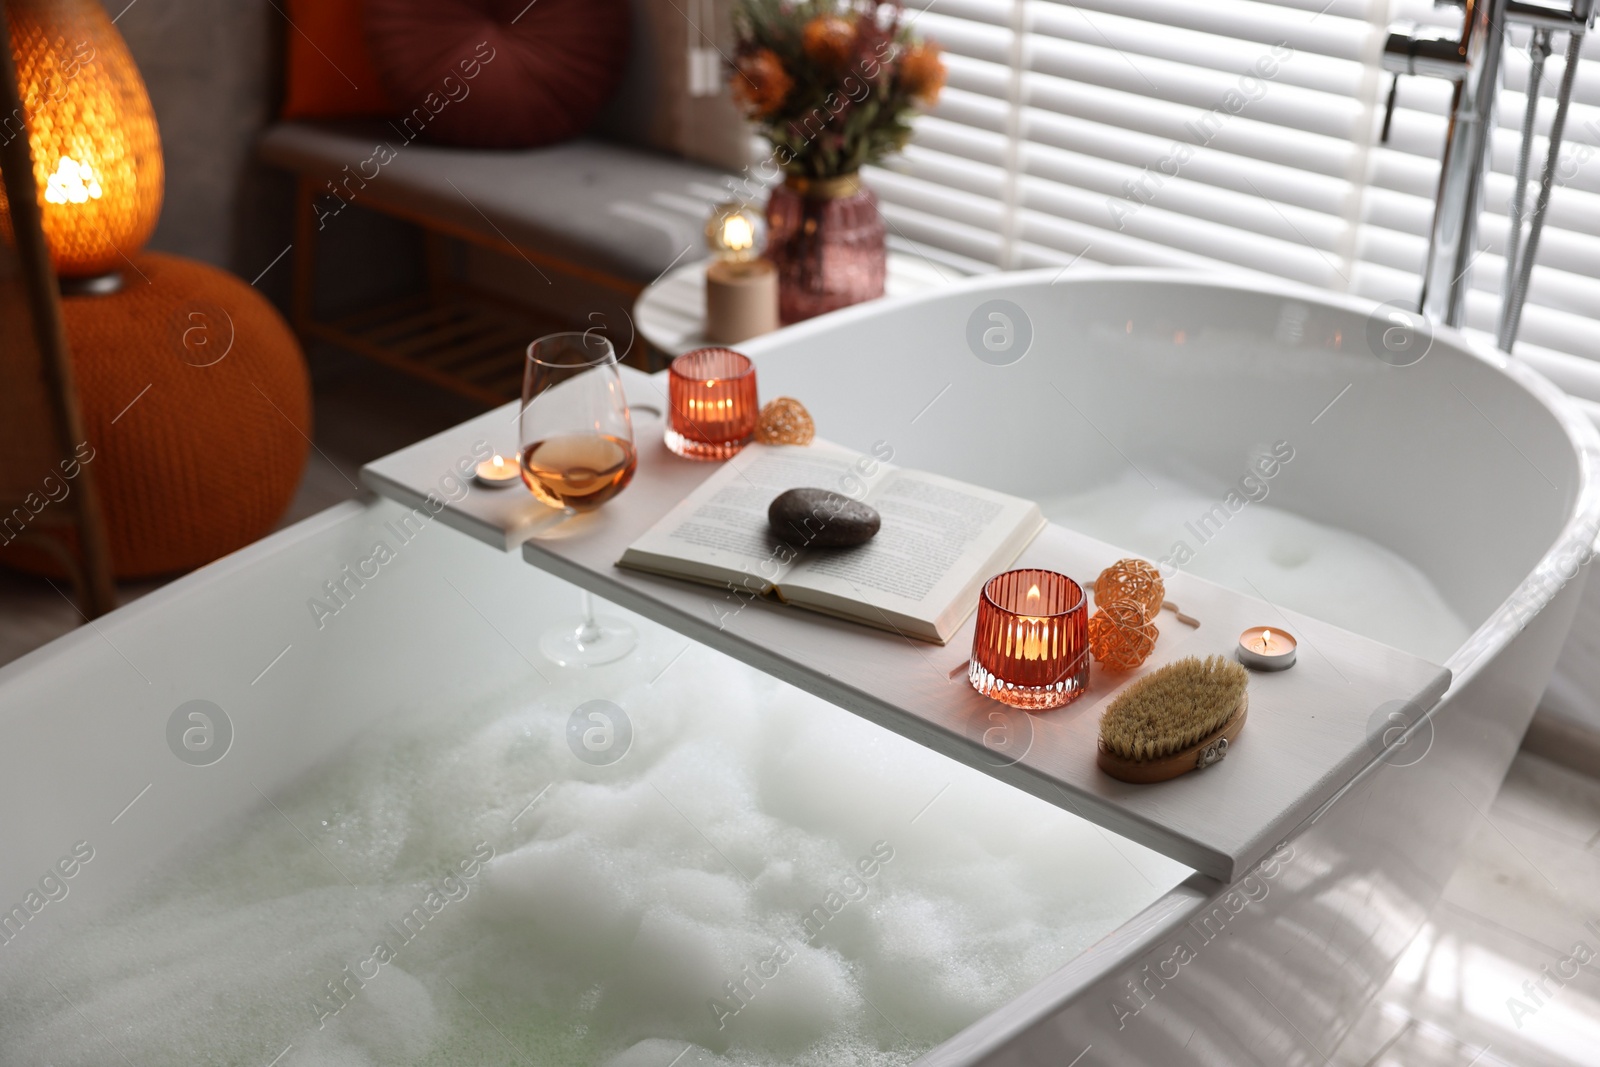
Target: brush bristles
(1167,711)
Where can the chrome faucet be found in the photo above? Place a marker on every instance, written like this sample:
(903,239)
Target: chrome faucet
(1470,58)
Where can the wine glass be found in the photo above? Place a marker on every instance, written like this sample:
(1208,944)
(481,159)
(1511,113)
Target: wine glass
(576,440)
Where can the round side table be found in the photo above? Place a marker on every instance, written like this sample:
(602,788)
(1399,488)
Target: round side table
(671,312)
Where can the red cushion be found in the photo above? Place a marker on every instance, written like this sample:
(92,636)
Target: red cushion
(330,73)
(498,73)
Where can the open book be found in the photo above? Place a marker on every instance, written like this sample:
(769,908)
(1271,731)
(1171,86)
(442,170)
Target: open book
(940,540)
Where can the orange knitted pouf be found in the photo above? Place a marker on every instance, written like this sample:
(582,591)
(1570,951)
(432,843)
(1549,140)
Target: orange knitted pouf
(197,402)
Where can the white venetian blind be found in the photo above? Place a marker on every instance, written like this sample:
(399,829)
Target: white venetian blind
(1235,132)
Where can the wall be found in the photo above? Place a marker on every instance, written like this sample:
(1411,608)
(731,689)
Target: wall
(214,71)
(654,107)
(213,68)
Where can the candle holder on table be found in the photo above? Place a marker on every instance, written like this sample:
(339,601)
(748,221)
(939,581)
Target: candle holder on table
(498,472)
(1030,648)
(1262,648)
(712,394)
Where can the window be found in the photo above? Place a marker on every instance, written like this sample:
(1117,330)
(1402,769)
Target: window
(1238,132)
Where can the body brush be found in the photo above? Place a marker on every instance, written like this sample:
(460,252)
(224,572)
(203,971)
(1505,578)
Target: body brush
(1180,718)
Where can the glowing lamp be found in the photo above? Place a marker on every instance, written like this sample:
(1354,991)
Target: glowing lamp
(741,287)
(735,233)
(96,150)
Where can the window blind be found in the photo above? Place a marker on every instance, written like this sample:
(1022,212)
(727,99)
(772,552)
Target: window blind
(1235,132)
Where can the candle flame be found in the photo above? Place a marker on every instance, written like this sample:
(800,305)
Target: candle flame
(499,460)
(1031,639)
(1266,639)
(1033,594)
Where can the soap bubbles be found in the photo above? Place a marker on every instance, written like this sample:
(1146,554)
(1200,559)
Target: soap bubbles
(607,916)
(599,732)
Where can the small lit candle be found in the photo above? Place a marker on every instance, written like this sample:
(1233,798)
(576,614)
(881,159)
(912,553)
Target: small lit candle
(714,407)
(498,472)
(1264,649)
(1030,648)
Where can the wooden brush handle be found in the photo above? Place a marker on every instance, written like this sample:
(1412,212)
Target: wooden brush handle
(1143,772)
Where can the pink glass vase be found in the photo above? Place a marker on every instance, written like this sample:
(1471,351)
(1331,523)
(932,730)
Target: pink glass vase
(828,241)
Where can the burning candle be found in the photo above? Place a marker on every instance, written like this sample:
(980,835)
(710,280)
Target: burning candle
(713,403)
(1030,648)
(498,472)
(1265,649)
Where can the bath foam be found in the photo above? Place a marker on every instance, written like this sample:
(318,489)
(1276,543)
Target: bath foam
(756,881)
(1264,551)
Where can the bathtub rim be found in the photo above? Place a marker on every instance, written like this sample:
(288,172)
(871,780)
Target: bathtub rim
(1131,940)
(184,585)
(1576,540)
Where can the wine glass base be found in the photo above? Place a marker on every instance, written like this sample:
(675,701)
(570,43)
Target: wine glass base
(580,644)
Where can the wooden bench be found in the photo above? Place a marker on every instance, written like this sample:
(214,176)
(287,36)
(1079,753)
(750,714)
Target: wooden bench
(604,215)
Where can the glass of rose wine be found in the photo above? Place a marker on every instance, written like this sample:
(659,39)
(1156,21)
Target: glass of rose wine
(577,452)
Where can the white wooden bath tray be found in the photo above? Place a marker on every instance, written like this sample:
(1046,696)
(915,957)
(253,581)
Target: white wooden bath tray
(1312,728)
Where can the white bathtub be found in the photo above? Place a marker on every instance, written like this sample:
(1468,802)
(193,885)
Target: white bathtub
(1469,465)
(1473,469)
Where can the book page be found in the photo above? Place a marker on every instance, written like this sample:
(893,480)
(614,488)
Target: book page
(937,540)
(722,526)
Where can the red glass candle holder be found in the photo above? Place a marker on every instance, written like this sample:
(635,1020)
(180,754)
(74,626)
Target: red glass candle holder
(1031,645)
(712,392)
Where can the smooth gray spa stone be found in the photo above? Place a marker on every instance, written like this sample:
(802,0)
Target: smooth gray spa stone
(821,517)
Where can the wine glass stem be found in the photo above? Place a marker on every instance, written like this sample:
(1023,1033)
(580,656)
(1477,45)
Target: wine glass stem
(588,630)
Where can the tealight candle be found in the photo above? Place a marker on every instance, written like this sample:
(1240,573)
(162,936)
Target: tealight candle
(1030,648)
(498,472)
(712,395)
(1264,649)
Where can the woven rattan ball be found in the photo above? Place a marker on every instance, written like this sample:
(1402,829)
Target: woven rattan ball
(785,421)
(1131,579)
(1121,635)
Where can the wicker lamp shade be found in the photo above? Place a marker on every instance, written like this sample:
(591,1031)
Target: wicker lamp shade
(197,403)
(96,149)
